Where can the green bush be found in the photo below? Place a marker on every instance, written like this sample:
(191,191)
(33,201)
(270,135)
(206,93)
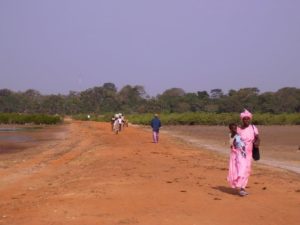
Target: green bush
(215,119)
(15,118)
(93,117)
(201,118)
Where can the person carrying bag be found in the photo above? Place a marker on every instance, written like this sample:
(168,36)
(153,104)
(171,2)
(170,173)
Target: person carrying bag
(250,136)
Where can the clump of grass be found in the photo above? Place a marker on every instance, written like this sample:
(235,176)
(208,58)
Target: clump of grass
(15,118)
(201,118)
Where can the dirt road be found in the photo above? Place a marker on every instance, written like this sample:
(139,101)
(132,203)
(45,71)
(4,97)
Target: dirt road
(90,176)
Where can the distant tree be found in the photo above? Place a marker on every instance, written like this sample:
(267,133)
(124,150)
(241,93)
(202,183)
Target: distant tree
(53,104)
(131,97)
(248,97)
(5,92)
(31,101)
(202,94)
(72,103)
(171,98)
(174,92)
(216,93)
(32,94)
(182,107)
(193,102)
(153,105)
(288,99)
(231,92)
(88,101)
(110,86)
(236,101)
(267,102)
(9,101)
(203,100)
(212,108)
(109,101)
(230,104)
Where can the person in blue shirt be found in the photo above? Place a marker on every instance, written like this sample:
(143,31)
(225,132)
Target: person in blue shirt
(155,124)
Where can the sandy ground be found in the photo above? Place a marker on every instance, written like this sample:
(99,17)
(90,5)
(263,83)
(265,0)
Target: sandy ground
(85,174)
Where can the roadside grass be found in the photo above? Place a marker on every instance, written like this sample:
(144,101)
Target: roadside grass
(201,118)
(15,118)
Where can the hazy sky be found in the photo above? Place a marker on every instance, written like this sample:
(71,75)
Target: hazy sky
(55,46)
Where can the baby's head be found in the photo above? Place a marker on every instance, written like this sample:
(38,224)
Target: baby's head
(233,128)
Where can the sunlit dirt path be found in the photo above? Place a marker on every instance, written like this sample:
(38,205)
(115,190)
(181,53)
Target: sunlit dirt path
(91,176)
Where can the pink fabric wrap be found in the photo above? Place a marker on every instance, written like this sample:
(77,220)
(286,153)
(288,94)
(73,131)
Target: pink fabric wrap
(238,173)
(246,113)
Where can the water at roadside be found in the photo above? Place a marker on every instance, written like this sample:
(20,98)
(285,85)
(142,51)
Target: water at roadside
(17,134)
(15,138)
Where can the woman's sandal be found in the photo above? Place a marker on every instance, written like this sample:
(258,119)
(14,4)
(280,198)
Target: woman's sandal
(243,192)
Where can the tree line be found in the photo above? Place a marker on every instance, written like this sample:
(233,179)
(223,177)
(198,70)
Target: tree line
(134,99)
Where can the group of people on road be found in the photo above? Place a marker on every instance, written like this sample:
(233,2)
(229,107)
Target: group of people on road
(242,140)
(118,122)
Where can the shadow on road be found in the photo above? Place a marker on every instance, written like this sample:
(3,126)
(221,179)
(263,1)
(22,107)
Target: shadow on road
(227,190)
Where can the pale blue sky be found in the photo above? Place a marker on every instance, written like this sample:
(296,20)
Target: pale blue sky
(55,46)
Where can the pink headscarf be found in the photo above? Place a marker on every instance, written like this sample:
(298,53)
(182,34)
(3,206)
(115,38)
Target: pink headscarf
(246,113)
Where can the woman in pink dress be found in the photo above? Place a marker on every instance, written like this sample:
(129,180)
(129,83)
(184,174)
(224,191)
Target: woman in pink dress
(237,164)
(240,167)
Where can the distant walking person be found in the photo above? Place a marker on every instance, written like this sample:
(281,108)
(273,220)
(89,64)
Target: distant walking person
(116,126)
(112,122)
(155,124)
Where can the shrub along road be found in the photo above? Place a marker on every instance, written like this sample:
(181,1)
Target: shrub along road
(91,176)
